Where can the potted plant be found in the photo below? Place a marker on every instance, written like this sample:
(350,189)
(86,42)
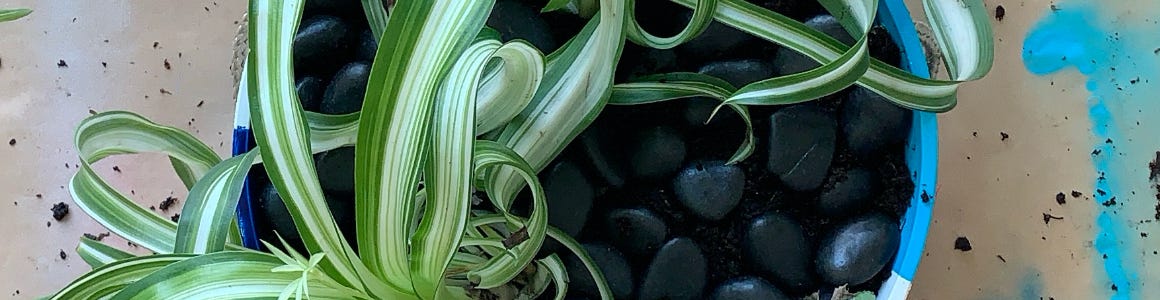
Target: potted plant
(454,123)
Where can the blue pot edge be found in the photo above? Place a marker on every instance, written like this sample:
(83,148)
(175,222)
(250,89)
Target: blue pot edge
(921,159)
(922,147)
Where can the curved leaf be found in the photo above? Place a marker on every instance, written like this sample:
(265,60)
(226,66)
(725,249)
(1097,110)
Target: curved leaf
(425,38)
(664,87)
(280,129)
(224,275)
(103,282)
(112,133)
(577,83)
(97,254)
(502,268)
(702,17)
(209,211)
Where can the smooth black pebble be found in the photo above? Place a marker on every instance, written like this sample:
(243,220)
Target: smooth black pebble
(776,246)
(659,151)
(848,193)
(637,231)
(858,249)
(612,264)
(318,42)
(310,91)
(336,170)
(569,196)
(333,6)
(870,123)
(277,215)
(280,220)
(366,47)
(802,146)
(515,20)
(677,272)
(737,73)
(604,158)
(718,40)
(710,189)
(788,61)
(346,91)
(748,288)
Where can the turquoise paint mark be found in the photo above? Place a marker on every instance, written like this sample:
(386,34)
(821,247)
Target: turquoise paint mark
(1030,287)
(1117,63)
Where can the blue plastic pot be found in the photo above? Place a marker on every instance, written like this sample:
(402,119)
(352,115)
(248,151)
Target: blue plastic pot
(921,157)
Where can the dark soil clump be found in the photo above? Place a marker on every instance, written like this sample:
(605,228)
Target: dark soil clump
(165,204)
(59,210)
(962,244)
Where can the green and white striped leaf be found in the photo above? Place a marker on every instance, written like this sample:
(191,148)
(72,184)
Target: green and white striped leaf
(111,278)
(447,171)
(502,268)
(897,85)
(664,87)
(97,254)
(209,211)
(376,16)
(576,86)
(831,77)
(425,36)
(280,129)
(567,242)
(225,275)
(702,17)
(10,14)
(964,36)
(328,132)
(113,133)
(509,87)
(554,266)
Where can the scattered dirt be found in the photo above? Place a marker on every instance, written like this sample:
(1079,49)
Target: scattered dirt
(1003,136)
(200,103)
(1110,202)
(166,92)
(167,65)
(59,210)
(39,196)
(165,204)
(1076,194)
(1048,217)
(12,142)
(98,237)
(175,217)
(1061,198)
(63,256)
(1000,12)
(963,244)
(155,44)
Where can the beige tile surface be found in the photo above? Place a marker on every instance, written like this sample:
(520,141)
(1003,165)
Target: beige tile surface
(116,53)
(991,191)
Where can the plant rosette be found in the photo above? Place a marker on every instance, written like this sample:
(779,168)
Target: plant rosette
(448,149)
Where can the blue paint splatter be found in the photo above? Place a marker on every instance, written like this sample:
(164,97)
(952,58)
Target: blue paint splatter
(1072,37)
(1031,286)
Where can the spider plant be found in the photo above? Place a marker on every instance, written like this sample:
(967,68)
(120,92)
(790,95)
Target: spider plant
(449,110)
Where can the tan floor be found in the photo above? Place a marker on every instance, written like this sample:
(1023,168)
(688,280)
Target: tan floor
(992,191)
